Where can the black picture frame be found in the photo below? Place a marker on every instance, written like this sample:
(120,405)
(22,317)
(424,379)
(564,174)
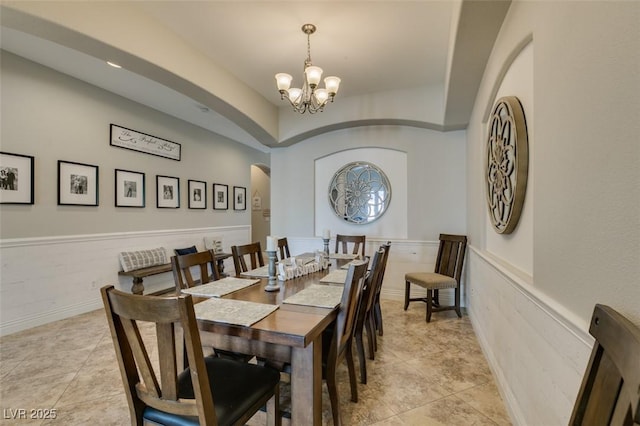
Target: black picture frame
(167,192)
(17,181)
(129,188)
(239,198)
(78,184)
(220,196)
(197,193)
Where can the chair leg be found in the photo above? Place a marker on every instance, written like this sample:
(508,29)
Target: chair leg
(361,357)
(407,285)
(274,417)
(371,335)
(429,304)
(436,298)
(378,317)
(333,395)
(352,374)
(457,302)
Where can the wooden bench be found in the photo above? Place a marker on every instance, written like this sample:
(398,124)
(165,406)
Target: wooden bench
(139,274)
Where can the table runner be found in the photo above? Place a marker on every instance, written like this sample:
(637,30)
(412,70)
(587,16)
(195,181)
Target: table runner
(343,256)
(230,311)
(220,288)
(339,276)
(262,271)
(322,296)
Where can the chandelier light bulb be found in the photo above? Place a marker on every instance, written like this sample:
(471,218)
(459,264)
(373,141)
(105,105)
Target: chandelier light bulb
(332,84)
(283,81)
(314,74)
(295,95)
(321,96)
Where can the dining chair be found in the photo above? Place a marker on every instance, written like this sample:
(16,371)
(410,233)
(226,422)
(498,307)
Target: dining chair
(283,248)
(365,319)
(610,389)
(358,241)
(203,261)
(253,251)
(338,341)
(377,309)
(448,270)
(182,276)
(210,391)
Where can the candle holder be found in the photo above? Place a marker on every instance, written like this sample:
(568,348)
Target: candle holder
(272,284)
(326,246)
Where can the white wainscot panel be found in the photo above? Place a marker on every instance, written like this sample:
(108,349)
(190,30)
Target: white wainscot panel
(47,279)
(537,353)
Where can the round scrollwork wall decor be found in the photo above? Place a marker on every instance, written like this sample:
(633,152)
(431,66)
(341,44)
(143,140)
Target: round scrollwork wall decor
(359,192)
(507,164)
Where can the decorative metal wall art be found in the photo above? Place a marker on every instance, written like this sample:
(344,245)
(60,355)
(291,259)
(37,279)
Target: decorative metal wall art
(359,192)
(507,164)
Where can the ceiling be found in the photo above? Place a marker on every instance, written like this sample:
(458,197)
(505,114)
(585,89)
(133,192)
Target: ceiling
(373,46)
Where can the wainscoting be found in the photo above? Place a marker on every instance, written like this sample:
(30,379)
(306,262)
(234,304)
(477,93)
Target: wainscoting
(47,279)
(517,326)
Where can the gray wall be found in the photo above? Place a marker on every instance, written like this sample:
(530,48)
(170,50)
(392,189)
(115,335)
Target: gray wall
(55,117)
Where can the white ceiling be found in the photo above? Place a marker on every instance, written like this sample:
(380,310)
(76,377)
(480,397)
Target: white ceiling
(373,46)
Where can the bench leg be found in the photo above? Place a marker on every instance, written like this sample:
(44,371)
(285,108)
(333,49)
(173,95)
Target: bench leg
(137,287)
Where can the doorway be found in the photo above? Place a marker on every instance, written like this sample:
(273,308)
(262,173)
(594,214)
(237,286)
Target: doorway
(260,203)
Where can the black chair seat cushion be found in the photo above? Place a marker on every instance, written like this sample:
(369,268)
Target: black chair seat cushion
(236,387)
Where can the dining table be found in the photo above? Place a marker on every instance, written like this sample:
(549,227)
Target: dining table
(290,333)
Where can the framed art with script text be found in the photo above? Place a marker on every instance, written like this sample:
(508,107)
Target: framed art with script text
(142,142)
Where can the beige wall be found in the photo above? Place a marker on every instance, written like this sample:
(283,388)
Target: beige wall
(55,117)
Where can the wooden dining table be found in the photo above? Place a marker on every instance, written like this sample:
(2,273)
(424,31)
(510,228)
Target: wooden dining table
(291,334)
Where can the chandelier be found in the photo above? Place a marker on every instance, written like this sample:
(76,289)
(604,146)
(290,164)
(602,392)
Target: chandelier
(309,98)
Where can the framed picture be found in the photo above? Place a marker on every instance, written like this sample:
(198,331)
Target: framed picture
(143,142)
(220,196)
(168,192)
(197,194)
(16,179)
(239,198)
(130,188)
(77,184)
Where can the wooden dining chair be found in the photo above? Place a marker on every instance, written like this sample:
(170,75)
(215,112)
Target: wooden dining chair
(610,390)
(203,261)
(253,251)
(338,341)
(365,319)
(358,241)
(448,271)
(377,309)
(283,248)
(210,391)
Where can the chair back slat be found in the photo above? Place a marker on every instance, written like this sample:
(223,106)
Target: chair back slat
(203,261)
(253,251)
(358,241)
(369,287)
(610,390)
(283,248)
(451,254)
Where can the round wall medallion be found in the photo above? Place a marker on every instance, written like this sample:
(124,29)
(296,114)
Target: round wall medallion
(507,164)
(359,192)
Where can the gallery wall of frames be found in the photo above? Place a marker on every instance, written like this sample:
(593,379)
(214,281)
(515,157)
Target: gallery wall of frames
(78,184)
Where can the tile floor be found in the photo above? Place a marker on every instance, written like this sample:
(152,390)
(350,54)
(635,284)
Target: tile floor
(423,374)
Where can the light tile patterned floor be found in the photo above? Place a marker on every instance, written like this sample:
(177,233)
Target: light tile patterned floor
(423,374)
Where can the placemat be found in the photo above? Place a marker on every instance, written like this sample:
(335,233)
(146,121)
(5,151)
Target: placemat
(338,276)
(342,256)
(262,272)
(238,312)
(322,296)
(221,287)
